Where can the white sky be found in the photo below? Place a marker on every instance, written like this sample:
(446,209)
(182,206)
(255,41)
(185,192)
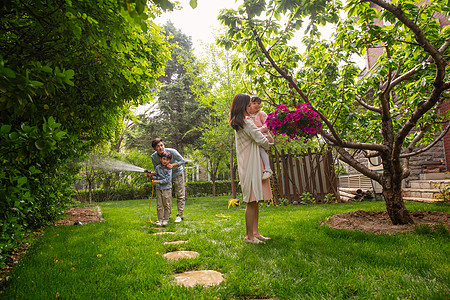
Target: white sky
(200,23)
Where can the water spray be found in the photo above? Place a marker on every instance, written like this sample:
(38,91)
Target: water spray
(108,163)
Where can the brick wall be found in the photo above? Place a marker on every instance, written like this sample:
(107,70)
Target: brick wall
(446,141)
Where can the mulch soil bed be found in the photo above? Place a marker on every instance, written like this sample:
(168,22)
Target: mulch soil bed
(83,215)
(378,221)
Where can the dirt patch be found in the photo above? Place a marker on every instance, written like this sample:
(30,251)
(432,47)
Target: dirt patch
(378,221)
(81,215)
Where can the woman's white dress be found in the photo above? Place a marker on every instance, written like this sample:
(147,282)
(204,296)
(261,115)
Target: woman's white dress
(248,139)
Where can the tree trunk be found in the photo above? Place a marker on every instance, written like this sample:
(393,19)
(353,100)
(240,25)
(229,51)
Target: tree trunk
(119,143)
(232,172)
(214,186)
(90,193)
(395,206)
(396,209)
(89,180)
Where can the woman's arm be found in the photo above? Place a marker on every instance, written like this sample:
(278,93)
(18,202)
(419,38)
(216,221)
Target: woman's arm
(256,135)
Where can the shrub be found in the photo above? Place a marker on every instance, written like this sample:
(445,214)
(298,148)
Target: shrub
(194,189)
(204,188)
(307,198)
(116,194)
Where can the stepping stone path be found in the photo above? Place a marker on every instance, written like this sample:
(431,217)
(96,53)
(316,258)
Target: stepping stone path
(176,255)
(163,232)
(204,277)
(175,242)
(191,278)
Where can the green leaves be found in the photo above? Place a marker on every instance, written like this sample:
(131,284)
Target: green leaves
(41,144)
(193,3)
(5,128)
(255,7)
(66,75)
(13,136)
(7,72)
(68,71)
(327,70)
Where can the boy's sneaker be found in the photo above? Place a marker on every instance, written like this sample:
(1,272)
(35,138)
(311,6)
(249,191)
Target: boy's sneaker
(159,223)
(266,174)
(178,220)
(164,223)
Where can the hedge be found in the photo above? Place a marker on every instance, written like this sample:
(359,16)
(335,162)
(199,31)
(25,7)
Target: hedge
(204,188)
(194,189)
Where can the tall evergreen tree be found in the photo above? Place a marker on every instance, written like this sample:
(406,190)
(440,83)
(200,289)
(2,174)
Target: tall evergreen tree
(177,114)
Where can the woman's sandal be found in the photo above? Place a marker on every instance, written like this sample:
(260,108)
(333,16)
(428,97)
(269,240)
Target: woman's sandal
(253,241)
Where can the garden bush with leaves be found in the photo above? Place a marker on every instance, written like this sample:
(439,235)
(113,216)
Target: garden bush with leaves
(117,194)
(32,191)
(204,188)
(68,72)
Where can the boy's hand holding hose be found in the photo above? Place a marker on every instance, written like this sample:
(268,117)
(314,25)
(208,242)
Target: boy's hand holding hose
(149,173)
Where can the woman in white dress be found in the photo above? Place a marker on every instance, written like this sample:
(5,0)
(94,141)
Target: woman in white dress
(248,140)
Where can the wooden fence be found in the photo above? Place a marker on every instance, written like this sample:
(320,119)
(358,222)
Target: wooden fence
(295,174)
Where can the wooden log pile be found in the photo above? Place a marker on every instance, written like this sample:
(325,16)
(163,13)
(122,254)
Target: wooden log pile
(354,194)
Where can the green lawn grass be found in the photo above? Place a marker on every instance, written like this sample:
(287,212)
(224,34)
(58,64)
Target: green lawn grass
(120,258)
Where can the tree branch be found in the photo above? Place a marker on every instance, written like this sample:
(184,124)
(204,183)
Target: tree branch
(369,107)
(352,145)
(334,137)
(418,32)
(412,72)
(438,84)
(272,62)
(347,158)
(428,147)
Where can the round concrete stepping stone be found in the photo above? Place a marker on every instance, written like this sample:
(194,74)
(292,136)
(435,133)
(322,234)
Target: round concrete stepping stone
(203,277)
(176,255)
(175,242)
(163,232)
(159,228)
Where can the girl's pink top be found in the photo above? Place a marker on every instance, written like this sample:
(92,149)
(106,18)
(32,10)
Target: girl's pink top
(259,119)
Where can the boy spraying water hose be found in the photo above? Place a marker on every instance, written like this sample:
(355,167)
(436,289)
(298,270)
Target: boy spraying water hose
(176,164)
(162,178)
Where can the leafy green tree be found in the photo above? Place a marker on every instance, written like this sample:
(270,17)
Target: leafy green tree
(217,86)
(391,112)
(178,113)
(214,152)
(68,71)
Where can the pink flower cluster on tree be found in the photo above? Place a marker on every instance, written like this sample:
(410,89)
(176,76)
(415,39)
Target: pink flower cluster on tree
(302,122)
